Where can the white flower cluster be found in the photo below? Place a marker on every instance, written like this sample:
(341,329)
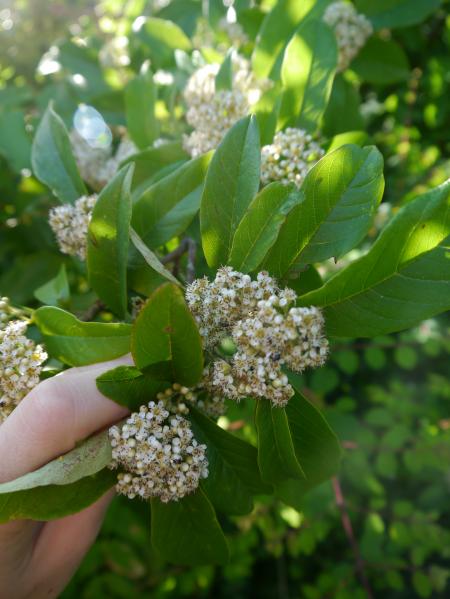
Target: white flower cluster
(234,31)
(211,113)
(70,225)
(6,312)
(98,166)
(289,157)
(351,28)
(20,365)
(158,453)
(258,324)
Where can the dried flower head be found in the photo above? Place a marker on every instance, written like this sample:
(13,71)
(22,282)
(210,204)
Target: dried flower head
(351,28)
(289,157)
(212,112)
(20,365)
(252,329)
(70,225)
(158,453)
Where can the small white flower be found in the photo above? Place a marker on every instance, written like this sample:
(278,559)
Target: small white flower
(289,157)
(20,365)
(169,467)
(70,225)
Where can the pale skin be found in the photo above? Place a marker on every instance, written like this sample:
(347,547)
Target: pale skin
(37,559)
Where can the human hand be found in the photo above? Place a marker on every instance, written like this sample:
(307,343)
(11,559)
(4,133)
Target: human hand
(37,559)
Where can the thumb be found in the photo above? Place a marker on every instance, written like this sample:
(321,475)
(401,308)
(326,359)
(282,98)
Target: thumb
(54,416)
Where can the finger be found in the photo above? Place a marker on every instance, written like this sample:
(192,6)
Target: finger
(54,416)
(61,546)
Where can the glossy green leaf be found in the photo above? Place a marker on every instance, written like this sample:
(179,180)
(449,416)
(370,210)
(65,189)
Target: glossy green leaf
(357,138)
(88,458)
(231,183)
(402,280)
(233,468)
(165,330)
(161,38)
(224,78)
(186,532)
(396,13)
(56,291)
(267,110)
(152,162)
(381,62)
(299,431)
(52,159)
(164,195)
(78,343)
(55,501)
(140,100)
(343,110)
(277,29)
(341,193)
(175,222)
(151,259)
(276,452)
(129,387)
(307,74)
(108,241)
(259,228)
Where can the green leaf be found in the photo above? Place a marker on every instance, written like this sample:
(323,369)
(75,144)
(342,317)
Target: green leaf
(298,431)
(357,138)
(396,13)
(90,457)
(166,330)
(224,78)
(186,532)
(341,193)
(129,387)
(267,110)
(149,210)
(52,159)
(15,144)
(78,343)
(231,182)
(140,100)
(381,62)
(55,501)
(402,280)
(307,73)
(343,111)
(277,29)
(151,259)
(276,452)
(151,162)
(260,226)
(175,222)
(56,291)
(161,38)
(108,241)
(28,272)
(233,468)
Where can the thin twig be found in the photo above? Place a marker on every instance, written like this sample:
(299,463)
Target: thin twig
(92,311)
(188,246)
(348,529)
(192,254)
